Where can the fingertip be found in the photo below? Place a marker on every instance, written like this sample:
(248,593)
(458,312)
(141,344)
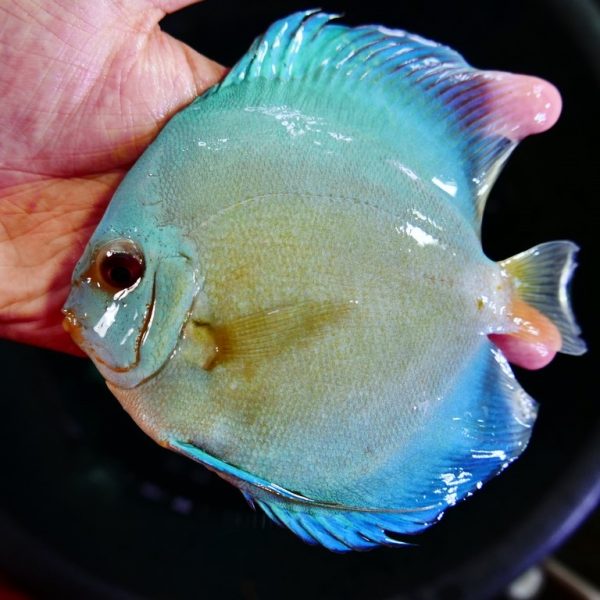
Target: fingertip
(523,105)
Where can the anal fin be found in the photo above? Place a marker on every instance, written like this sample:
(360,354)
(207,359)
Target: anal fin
(337,527)
(482,425)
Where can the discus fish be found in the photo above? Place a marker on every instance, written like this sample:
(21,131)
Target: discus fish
(289,286)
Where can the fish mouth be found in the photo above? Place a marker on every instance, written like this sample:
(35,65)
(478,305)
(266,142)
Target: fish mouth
(74,327)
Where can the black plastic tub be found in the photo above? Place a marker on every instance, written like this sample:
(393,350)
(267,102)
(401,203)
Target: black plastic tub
(91,508)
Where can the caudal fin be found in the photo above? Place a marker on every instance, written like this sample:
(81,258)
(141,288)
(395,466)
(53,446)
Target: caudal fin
(541,306)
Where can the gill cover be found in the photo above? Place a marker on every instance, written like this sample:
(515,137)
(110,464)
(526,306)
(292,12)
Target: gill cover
(129,333)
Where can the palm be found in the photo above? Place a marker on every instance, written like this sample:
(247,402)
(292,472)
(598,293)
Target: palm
(83,93)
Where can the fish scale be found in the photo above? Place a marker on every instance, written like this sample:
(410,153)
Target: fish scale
(278,388)
(311,300)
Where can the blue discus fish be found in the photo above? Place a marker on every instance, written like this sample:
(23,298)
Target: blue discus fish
(289,285)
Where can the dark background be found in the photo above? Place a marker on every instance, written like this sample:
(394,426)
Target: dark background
(91,508)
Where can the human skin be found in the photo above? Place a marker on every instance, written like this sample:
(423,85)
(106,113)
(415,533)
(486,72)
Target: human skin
(85,88)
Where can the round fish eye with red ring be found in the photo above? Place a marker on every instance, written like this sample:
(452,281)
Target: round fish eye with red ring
(118,265)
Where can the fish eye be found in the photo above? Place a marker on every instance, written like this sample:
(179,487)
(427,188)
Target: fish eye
(118,265)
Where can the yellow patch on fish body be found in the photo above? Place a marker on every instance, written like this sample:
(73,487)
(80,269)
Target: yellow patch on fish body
(263,335)
(332,295)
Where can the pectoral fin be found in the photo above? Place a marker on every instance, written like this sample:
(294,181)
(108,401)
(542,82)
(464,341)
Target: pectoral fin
(266,333)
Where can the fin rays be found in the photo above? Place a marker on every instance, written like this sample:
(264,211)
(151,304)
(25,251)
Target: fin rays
(487,112)
(269,332)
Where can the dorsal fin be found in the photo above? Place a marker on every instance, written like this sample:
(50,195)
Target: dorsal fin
(481,114)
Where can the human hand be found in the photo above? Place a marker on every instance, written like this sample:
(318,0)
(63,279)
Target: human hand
(85,87)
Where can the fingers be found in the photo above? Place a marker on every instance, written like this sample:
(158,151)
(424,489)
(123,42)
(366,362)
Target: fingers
(153,10)
(89,16)
(203,72)
(44,227)
(170,6)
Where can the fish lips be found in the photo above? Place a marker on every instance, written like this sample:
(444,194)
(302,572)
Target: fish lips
(129,344)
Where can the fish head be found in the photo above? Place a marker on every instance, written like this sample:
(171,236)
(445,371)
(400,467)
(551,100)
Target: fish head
(132,289)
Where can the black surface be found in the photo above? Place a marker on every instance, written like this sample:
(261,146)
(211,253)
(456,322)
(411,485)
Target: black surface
(91,508)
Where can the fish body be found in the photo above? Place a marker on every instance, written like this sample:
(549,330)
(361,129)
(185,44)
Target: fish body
(300,300)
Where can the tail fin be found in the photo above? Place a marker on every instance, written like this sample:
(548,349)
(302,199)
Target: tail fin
(541,308)
(541,276)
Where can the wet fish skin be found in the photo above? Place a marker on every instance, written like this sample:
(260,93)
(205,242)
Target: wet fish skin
(312,318)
